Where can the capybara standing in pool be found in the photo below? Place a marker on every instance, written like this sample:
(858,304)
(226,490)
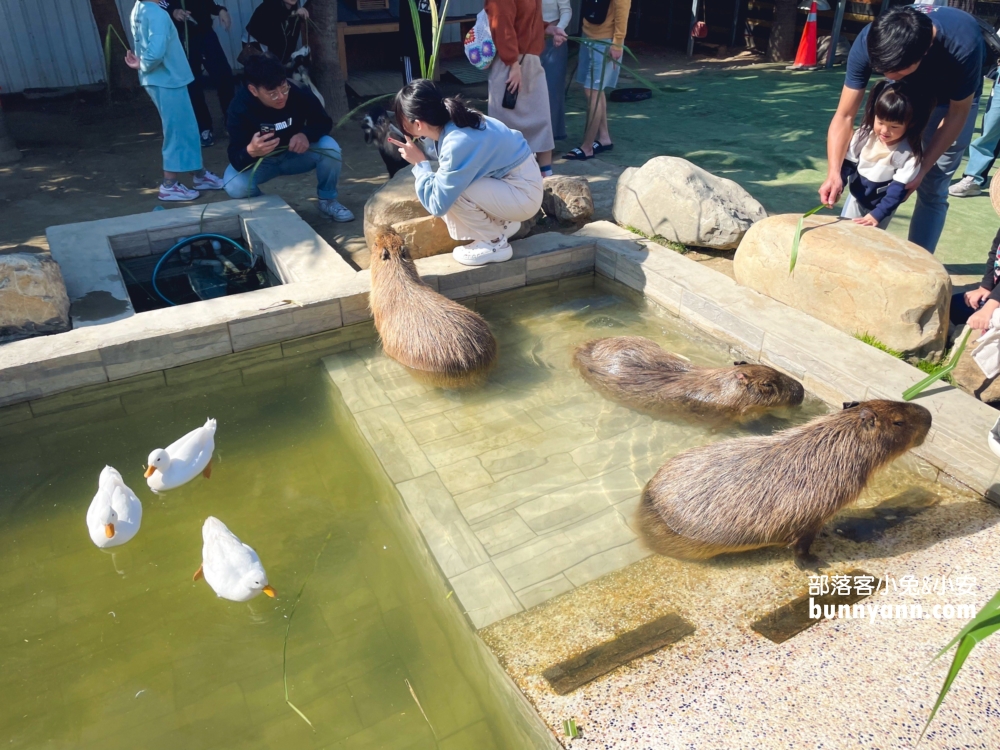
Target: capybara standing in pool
(636,372)
(420,328)
(780,489)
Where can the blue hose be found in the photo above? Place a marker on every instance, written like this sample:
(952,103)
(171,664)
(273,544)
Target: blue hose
(184,243)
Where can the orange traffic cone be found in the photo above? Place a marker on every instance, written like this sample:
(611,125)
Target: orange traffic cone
(806,56)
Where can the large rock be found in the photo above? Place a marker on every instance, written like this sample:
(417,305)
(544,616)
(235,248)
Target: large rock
(32,296)
(858,279)
(673,198)
(970,378)
(567,199)
(396,204)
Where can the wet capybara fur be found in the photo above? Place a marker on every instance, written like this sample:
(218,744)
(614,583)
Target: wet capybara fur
(780,489)
(636,372)
(420,328)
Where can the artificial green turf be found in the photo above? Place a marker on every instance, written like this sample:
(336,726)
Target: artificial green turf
(765,128)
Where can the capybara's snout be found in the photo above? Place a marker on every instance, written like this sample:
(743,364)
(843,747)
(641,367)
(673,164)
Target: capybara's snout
(919,420)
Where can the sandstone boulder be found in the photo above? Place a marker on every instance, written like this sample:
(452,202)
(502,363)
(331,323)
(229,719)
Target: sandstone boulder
(396,204)
(858,279)
(970,378)
(673,198)
(32,296)
(568,199)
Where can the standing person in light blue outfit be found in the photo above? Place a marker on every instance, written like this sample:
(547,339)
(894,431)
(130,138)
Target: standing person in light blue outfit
(486,182)
(165,74)
(982,152)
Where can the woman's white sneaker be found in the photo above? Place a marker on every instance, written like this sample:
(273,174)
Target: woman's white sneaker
(480,253)
(335,210)
(208,181)
(177,192)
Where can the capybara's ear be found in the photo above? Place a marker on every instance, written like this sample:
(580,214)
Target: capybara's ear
(741,376)
(851,404)
(739,363)
(867,417)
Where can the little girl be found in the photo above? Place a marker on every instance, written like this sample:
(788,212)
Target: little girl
(884,154)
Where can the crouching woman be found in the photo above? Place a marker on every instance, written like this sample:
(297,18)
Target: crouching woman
(487,181)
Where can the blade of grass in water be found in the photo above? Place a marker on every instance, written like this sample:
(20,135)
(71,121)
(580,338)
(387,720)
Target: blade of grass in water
(291,614)
(984,624)
(798,235)
(910,393)
(417,700)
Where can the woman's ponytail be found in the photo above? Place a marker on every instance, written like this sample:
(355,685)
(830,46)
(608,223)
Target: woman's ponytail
(461,115)
(422,100)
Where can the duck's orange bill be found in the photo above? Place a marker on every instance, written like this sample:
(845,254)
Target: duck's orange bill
(109,530)
(270,591)
(149,472)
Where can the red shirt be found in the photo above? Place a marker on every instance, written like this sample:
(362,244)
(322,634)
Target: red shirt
(517,28)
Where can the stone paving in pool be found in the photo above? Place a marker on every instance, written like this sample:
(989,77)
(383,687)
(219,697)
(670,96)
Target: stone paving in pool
(525,488)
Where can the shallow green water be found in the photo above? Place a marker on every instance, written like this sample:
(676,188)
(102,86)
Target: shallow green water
(123,650)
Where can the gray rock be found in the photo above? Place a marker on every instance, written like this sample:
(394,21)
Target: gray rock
(568,199)
(33,297)
(675,199)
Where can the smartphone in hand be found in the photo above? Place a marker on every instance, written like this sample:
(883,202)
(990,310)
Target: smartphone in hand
(266,129)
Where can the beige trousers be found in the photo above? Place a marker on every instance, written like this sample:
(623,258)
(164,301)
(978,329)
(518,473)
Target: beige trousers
(488,207)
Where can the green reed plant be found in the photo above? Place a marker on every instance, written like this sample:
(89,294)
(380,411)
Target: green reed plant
(982,626)
(798,235)
(911,393)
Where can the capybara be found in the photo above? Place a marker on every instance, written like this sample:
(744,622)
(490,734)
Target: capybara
(779,489)
(420,328)
(636,372)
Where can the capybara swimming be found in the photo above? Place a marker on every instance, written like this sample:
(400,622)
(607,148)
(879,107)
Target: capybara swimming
(420,328)
(636,372)
(779,489)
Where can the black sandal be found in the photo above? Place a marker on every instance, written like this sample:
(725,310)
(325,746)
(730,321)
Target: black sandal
(600,148)
(576,154)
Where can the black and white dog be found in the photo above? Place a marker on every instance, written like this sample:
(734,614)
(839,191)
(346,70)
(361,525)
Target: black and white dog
(378,126)
(298,68)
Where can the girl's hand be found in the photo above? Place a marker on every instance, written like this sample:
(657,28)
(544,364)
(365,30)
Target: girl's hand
(980,320)
(867,221)
(559,37)
(303,13)
(616,53)
(514,78)
(974,297)
(409,151)
(225,19)
(131,60)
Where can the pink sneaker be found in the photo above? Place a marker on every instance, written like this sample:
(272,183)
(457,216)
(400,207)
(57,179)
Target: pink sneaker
(177,192)
(207,181)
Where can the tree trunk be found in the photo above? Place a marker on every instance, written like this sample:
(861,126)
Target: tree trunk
(781,44)
(8,149)
(326,72)
(106,14)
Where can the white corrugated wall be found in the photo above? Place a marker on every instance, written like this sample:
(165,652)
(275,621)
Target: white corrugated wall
(48,44)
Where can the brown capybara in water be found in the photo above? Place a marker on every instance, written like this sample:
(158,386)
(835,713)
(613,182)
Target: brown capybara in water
(780,489)
(636,372)
(420,328)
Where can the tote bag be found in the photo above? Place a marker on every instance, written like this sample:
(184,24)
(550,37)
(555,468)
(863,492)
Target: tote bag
(479,47)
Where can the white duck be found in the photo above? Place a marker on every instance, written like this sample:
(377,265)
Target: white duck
(182,460)
(230,567)
(115,512)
